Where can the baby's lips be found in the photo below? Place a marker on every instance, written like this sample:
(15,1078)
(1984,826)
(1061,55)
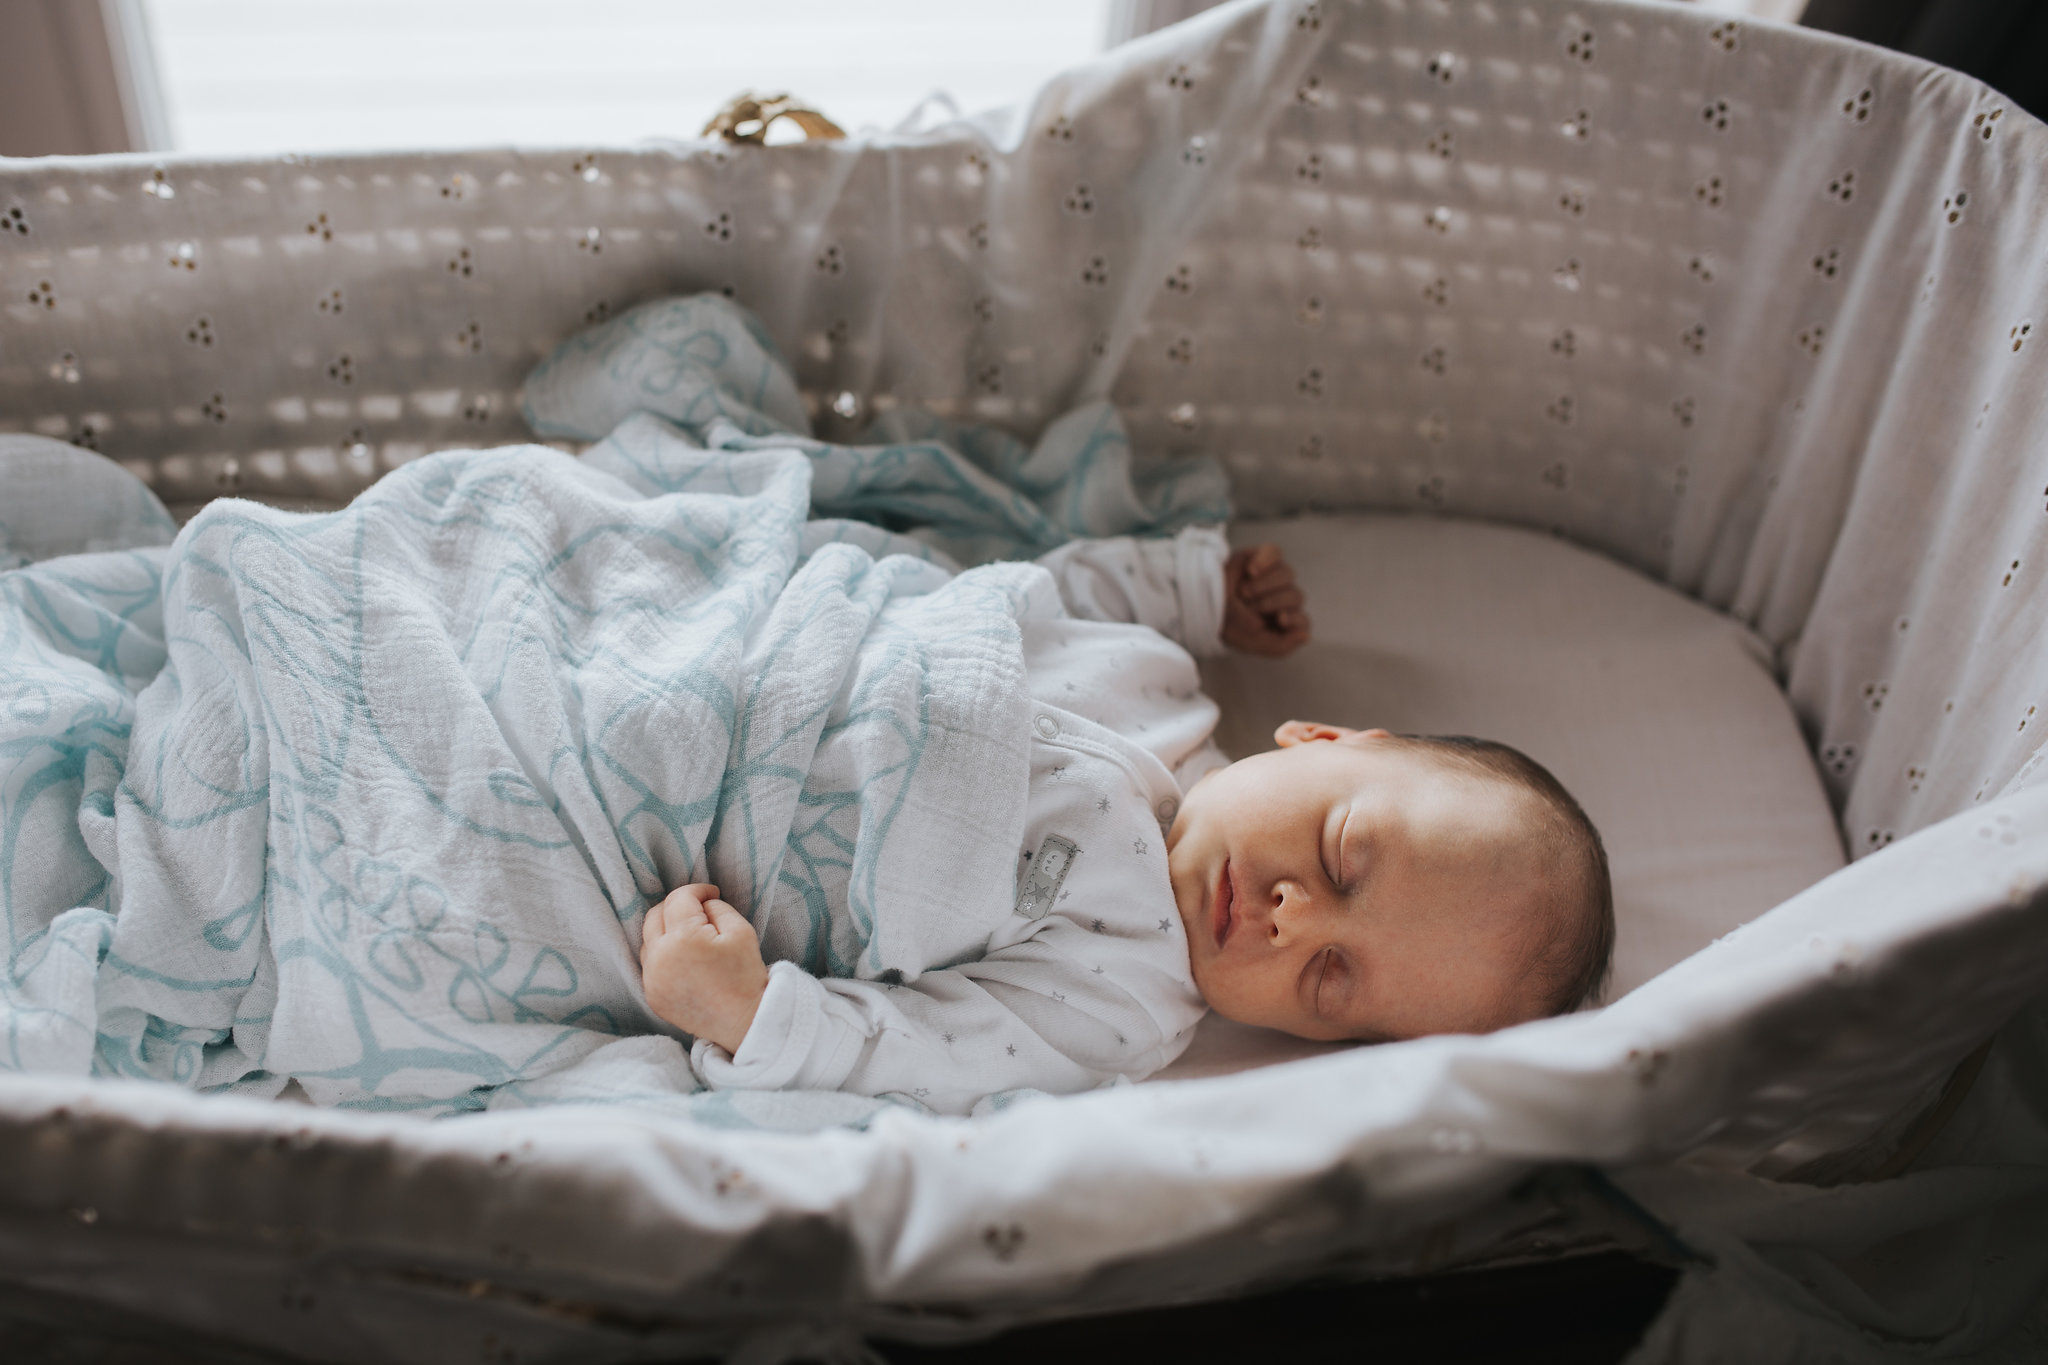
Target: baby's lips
(1223,908)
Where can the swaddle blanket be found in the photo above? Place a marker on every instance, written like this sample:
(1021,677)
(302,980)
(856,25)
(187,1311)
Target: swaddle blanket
(376,799)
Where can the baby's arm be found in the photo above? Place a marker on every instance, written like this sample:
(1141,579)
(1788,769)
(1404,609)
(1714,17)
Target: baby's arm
(1032,1014)
(1192,589)
(1174,585)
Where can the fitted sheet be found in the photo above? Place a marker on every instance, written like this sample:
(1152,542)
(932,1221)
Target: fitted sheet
(1662,716)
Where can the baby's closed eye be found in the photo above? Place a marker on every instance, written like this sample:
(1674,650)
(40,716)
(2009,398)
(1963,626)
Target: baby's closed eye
(1326,991)
(1332,853)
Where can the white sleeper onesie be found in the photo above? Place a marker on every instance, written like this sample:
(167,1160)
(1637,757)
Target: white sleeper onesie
(1087,981)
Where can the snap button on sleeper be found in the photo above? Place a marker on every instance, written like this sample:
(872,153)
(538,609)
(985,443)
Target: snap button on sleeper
(1047,726)
(1167,808)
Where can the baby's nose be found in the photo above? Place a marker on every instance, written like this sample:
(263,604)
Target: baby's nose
(1290,909)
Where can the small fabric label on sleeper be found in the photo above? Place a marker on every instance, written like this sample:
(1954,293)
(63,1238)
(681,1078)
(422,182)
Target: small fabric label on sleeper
(1049,867)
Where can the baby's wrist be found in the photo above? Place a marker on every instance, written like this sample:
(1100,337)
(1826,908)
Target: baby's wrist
(738,1021)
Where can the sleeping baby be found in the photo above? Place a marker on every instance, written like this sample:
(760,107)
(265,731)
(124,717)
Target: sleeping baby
(1348,884)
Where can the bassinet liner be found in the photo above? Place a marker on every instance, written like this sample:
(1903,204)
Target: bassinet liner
(1755,310)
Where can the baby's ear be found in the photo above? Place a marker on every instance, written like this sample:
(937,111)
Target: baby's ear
(1308,731)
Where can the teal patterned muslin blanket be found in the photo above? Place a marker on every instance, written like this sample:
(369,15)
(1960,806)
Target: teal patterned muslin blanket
(375,800)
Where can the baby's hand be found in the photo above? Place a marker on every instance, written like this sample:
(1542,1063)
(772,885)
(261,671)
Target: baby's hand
(1261,605)
(700,964)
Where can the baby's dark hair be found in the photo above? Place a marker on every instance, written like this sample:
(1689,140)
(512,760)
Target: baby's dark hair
(1573,967)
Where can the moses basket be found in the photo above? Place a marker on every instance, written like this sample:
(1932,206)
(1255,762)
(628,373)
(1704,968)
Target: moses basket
(1758,313)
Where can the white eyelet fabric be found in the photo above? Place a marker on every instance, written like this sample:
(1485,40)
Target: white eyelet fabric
(1755,310)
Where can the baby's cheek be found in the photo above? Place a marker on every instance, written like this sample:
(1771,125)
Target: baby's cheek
(1227,990)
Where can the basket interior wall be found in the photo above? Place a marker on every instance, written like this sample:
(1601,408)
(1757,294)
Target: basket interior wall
(1756,311)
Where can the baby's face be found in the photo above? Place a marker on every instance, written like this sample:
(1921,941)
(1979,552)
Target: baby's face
(1351,885)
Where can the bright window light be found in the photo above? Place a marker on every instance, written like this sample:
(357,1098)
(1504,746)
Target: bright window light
(249,77)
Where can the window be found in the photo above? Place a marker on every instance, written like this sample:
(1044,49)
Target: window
(248,77)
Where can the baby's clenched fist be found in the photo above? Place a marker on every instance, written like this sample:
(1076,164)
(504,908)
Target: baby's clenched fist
(700,964)
(1262,604)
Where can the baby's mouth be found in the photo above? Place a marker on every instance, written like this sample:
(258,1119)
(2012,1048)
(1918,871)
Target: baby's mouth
(1226,897)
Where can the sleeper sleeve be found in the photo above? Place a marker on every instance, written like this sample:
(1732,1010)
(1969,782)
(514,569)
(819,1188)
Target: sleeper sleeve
(1042,1014)
(1175,585)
